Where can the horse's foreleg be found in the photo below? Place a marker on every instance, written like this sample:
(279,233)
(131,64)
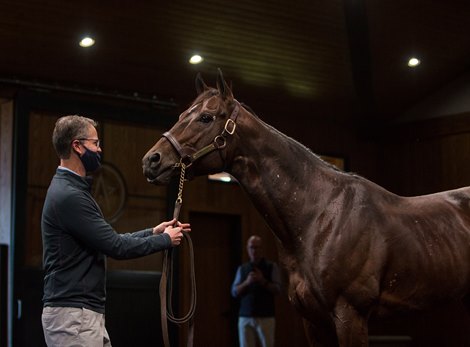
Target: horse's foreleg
(351,326)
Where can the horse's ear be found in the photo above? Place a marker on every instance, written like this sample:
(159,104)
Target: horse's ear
(200,85)
(224,90)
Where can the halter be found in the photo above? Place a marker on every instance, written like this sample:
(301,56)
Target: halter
(189,156)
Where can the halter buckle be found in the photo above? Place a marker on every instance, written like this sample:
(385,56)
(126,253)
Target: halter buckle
(230,126)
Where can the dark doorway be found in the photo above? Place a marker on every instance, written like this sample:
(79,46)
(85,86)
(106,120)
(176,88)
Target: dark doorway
(217,253)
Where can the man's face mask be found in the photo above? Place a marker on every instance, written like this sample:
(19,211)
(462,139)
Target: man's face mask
(91,160)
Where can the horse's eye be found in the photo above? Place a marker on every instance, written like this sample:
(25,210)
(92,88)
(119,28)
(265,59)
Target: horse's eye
(206,118)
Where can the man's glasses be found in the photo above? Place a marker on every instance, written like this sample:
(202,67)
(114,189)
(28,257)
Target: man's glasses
(96,142)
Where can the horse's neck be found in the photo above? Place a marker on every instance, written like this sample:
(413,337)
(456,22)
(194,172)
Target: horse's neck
(281,176)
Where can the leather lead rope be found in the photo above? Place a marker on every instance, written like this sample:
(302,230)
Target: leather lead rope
(167,279)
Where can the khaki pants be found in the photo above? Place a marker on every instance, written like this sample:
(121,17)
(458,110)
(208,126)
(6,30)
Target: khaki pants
(74,327)
(252,328)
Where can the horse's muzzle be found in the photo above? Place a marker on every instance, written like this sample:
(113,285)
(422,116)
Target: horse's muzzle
(150,165)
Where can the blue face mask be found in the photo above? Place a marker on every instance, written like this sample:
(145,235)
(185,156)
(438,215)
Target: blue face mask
(91,160)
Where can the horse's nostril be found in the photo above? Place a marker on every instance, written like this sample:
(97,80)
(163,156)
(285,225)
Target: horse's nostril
(155,158)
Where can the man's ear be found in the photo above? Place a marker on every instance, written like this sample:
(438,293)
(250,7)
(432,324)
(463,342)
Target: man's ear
(76,147)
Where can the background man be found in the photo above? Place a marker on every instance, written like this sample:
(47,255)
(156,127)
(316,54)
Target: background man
(255,284)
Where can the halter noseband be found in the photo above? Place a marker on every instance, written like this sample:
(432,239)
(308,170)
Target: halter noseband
(189,156)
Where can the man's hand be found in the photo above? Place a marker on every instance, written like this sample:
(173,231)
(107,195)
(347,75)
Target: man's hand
(174,229)
(175,234)
(186,227)
(256,276)
(162,226)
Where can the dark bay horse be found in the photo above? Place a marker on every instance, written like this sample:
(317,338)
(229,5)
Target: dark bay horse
(350,247)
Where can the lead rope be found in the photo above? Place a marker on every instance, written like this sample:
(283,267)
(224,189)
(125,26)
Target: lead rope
(166,282)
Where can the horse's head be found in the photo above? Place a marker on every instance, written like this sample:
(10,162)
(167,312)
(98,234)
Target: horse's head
(202,139)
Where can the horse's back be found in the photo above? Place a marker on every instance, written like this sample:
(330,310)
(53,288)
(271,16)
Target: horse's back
(427,242)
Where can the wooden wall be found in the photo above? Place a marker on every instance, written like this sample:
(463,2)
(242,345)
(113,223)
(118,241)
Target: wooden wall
(427,156)
(6,156)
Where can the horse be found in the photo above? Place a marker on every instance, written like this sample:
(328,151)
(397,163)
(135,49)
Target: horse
(350,247)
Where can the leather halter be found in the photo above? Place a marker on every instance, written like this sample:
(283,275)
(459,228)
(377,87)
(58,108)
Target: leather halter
(189,156)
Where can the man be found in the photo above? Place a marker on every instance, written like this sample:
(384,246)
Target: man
(77,239)
(256,283)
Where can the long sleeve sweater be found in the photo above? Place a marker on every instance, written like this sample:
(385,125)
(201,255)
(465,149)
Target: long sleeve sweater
(76,240)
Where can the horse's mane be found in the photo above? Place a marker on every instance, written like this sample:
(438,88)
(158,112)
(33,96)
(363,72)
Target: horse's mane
(297,143)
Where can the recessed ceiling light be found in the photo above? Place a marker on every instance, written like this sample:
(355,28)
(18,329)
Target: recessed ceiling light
(87,42)
(196,59)
(413,62)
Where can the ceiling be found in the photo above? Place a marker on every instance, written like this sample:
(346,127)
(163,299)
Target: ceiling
(347,58)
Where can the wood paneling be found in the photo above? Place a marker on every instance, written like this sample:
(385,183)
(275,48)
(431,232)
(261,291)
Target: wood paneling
(427,157)
(6,167)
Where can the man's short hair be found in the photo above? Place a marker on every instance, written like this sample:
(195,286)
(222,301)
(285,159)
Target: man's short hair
(254,238)
(67,129)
